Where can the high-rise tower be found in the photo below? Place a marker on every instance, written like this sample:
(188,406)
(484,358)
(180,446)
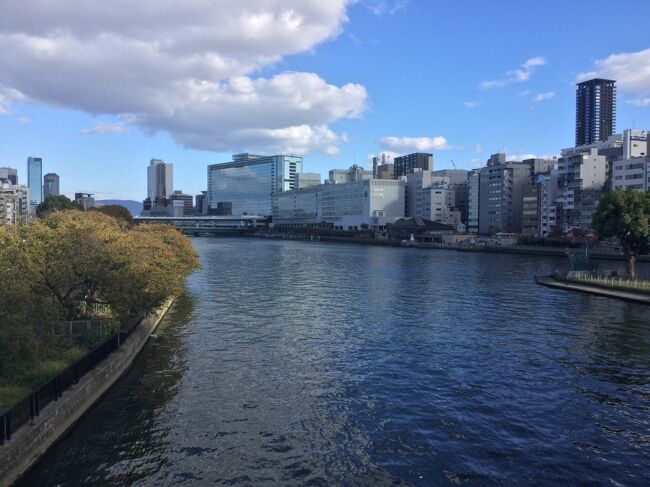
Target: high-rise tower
(35,180)
(595,110)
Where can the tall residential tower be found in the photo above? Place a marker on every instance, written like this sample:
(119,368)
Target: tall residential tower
(595,110)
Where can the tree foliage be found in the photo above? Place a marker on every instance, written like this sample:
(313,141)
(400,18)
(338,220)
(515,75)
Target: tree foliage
(625,215)
(116,211)
(56,203)
(49,265)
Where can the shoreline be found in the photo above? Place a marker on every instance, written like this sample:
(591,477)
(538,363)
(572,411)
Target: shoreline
(516,249)
(30,442)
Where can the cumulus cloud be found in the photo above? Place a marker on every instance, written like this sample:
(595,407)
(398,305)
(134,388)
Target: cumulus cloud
(518,75)
(190,68)
(413,144)
(631,70)
(106,128)
(543,96)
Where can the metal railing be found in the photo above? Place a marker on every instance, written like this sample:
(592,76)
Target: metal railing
(26,409)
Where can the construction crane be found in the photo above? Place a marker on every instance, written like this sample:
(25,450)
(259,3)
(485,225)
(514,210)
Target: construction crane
(452,163)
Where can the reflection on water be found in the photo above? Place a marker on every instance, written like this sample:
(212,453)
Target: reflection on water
(305,363)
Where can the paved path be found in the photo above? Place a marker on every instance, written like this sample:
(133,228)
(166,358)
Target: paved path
(599,291)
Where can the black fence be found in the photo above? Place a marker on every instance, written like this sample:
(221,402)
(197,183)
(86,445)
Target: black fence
(30,406)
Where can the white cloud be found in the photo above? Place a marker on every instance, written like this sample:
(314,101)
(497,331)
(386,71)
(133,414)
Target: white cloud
(23,120)
(106,128)
(518,75)
(631,70)
(543,96)
(413,144)
(385,7)
(187,68)
(471,104)
(640,102)
(478,148)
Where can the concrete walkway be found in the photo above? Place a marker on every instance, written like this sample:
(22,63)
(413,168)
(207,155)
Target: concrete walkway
(599,291)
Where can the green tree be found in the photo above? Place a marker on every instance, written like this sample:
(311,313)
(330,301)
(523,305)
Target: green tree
(624,215)
(116,211)
(56,203)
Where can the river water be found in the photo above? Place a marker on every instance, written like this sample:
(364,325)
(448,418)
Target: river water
(290,363)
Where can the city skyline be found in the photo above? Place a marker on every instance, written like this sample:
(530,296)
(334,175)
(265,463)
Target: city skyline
(366,82)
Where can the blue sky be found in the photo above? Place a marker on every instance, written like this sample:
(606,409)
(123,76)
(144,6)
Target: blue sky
(483,76)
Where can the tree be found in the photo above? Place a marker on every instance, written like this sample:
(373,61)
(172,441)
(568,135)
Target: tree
(56,203)
(624,215)
(116,211)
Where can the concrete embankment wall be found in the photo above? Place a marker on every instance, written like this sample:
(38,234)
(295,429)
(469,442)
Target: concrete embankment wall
(31,441)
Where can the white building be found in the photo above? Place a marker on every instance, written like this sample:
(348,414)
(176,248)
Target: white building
(14,204)
(432,198)
(355,173)
(631,174)
(581,181)
(160,180)
(345,206)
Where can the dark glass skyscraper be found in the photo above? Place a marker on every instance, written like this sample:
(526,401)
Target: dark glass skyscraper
(595,110)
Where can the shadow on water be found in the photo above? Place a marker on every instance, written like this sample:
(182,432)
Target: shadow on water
(123,437)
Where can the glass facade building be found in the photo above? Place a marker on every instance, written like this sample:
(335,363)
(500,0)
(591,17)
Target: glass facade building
(249,184)
(35,180)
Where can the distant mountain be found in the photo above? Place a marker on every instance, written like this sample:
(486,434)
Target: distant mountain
(135,207)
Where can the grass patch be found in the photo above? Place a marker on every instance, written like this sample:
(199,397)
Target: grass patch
(34,373)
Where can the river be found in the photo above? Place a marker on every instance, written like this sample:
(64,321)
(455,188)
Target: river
(298,363)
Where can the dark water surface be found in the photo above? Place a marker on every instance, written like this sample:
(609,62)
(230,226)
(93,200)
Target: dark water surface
(320,364)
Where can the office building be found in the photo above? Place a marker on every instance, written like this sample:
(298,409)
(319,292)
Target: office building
(186,202)
(86,200)
(404,165)
(501,195)
(473,200)
(50,185)
(595,111)
(35,181)
(344,206)
(459,183)
(250,183)
(201,203)
(8,175)
(355,173)
(581,181)
(15,205)
(548,194)
(530,209)
(632,173)
(382,168)
(307,180)
(160,181)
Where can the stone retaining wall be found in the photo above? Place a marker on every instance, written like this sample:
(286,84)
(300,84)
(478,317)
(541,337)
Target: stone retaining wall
(31,441)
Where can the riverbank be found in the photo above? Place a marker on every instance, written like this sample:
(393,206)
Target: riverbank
(499,249)
(608,292)
(31,441)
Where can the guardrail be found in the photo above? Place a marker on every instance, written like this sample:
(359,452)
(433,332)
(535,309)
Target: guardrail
(26,409)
